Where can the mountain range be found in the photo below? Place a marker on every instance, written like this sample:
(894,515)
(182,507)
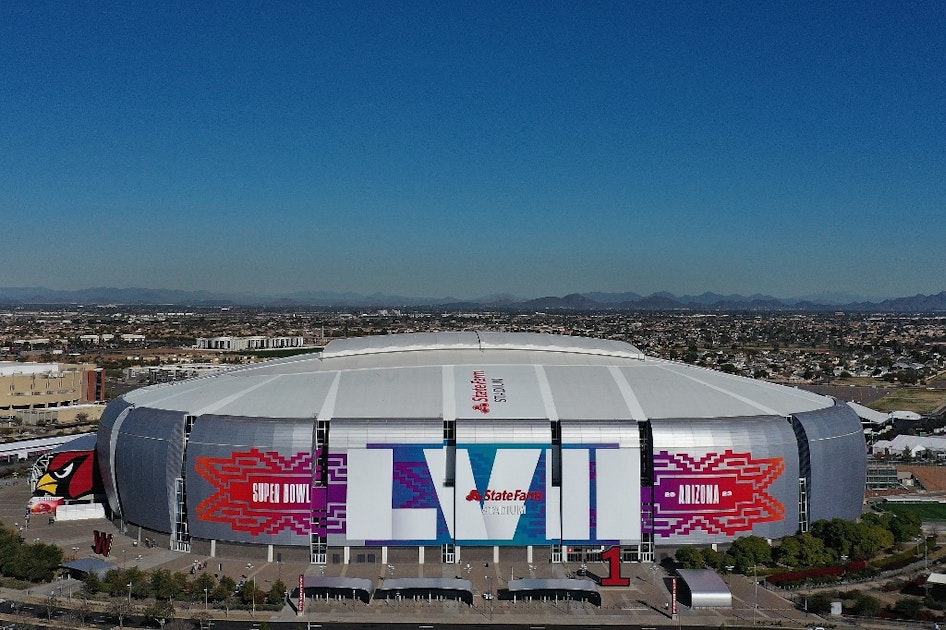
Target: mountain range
(578,302)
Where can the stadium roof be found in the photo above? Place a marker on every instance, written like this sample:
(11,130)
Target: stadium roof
(432,375)
(868,414)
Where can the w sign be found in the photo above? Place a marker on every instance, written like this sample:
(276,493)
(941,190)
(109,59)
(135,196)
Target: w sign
(101,542)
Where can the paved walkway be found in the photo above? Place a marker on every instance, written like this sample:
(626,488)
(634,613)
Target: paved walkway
(641,602)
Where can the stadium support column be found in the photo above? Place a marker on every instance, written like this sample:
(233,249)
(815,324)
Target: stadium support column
(556,480)
(804,479)
(450,551)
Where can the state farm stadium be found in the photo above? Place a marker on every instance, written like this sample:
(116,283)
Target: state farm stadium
(527,444)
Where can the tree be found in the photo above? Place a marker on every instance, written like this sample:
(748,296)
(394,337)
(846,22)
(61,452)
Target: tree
(802,550)
(713,559)
(91,584)
(872,539)
(689,558)
(203,582)
(818,604)
(84,609)
(167,585)
(750,551)
(160,611)
(49,603)
(200,617)
(250,594)
(866,605)
(907,608)
(120,607)
(277,593)
(837,534)
(906,526)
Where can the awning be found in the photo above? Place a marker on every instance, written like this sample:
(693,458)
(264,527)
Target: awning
(356,588)
(89,565)
(704,589)
(426,587)
(558,588)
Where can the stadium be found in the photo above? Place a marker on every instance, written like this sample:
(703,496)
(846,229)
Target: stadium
(550,447)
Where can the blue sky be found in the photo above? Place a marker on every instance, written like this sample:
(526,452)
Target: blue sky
(472,148)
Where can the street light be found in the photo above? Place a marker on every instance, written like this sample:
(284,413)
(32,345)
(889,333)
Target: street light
(926,547)
(489,593)
(129,592)
(755,608)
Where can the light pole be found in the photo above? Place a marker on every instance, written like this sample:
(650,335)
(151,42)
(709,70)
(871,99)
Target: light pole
(129,592)
(755,608)
(921,539)
(205,599)
(489,596)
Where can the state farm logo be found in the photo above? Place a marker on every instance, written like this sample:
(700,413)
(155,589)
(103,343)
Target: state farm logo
(505,495)
(486,392)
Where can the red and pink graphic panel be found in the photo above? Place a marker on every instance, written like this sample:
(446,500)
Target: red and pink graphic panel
(258,492)
(723,494)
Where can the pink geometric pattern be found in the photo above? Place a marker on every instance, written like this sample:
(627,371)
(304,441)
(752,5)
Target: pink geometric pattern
(719,493)
(258,492)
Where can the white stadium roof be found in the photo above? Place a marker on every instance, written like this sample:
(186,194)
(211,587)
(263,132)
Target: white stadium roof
(431,375)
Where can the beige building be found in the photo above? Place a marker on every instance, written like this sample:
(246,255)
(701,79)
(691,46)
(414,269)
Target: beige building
(69,414)
(28,386)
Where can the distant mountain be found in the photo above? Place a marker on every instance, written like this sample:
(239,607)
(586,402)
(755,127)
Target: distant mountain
(612,298)
(577,302)
(828,298)
(573,302)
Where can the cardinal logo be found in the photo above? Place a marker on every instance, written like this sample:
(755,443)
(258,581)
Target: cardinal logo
(69,475)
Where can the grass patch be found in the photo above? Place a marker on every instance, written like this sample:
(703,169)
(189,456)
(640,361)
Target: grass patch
(927,511)
(8,582)
(920,400)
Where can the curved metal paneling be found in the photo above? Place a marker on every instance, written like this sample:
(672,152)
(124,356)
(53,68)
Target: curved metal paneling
(837,462)
(716,479)
(250,479)
(149,452)
(109,424)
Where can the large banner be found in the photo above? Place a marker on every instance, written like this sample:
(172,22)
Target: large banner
(396,494)
(724,493)
(258,492)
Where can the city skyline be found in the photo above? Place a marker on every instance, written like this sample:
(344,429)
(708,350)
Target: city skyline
(474,150)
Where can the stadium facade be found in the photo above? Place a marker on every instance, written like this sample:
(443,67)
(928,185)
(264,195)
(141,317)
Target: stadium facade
(477,439)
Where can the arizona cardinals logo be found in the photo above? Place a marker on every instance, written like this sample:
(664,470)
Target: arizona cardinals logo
(69,475)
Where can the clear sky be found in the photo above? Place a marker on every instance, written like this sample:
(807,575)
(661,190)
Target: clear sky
(469,148)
